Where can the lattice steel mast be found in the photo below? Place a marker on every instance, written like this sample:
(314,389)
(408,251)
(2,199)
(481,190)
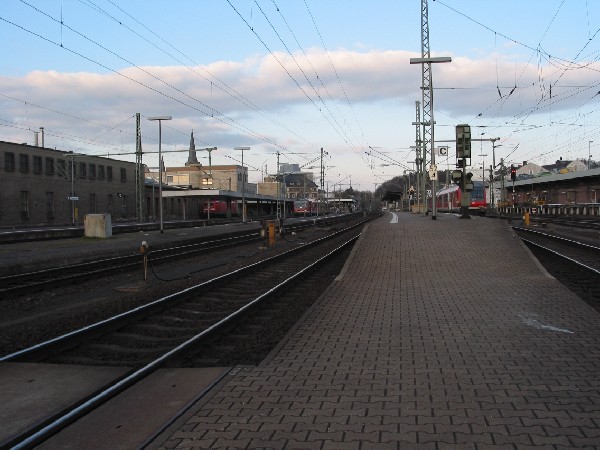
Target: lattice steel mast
(139,172)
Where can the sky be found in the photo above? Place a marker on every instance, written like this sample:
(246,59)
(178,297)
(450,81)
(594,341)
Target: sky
(287,78)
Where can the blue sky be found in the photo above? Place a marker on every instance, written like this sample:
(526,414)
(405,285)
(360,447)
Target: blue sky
(294,76)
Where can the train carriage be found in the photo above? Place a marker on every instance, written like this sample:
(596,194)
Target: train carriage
(218,208)
(306,207)
(449,198)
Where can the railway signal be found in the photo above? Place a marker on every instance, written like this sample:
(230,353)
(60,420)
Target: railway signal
(513,172)
(457,177)
(469,184)
(463,141)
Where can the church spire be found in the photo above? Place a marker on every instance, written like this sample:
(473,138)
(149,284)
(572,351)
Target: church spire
(192,159)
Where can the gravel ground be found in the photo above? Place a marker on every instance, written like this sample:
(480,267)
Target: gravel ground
(28,320)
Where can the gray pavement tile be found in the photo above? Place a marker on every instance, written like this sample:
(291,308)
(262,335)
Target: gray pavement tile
(418,348)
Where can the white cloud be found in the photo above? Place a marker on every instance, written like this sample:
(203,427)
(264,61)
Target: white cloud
(262,99)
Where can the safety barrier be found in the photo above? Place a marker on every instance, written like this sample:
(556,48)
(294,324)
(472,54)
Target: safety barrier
(587,209)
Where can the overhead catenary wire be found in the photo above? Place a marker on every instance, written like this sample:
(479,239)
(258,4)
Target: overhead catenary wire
(551,93)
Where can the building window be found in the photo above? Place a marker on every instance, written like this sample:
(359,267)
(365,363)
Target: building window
(50,205)
(24,205)
(72,170)
(109,173)
(82,170)
(61,168)
(92,169)
(23,163)
(49,166)
(110,204)
(92,203)
(101,172)
(239,177)
(9,162)
(123,174)
(170,179)
(37,164)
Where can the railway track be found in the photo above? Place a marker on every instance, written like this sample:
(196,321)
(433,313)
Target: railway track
(174,330)
(28,282)
(576,264)
(47,278)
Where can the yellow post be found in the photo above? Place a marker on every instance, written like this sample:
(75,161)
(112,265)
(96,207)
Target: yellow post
(271,234)
(526,218)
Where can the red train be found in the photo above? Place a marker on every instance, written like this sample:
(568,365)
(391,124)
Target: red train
(307,207)
(218,208)
(448,199)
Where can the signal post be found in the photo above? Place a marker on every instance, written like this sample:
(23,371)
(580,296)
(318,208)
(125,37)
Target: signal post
(460,175)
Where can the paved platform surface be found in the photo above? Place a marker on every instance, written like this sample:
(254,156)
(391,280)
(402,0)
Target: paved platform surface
(439,334)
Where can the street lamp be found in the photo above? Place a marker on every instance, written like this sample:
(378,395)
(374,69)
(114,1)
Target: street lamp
(160,165)
(590,155)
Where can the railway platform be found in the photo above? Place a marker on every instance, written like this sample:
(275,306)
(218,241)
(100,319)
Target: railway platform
(18,257)
(436,334)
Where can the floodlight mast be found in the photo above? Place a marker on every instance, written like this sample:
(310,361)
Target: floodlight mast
(160,165)
(243,183)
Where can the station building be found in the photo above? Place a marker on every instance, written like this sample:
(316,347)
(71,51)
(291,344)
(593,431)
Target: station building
(42,186)
(569,192)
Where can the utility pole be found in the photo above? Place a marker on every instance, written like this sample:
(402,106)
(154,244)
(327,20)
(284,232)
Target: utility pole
(322,181)
(243,183)
(278,189)
(139,171)
(503,198)
(419,157)
(427,97)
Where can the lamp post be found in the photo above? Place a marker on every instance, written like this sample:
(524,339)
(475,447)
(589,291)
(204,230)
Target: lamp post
(590,154)
(243,184)
(160,165)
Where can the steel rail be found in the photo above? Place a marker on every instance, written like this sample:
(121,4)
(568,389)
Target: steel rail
(129,380)
(564,257)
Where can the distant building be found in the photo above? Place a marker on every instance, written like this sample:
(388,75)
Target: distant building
(291,185)
(301,185)
(527,170)
(194,175)
(269,186)
(561,166)
(225,178)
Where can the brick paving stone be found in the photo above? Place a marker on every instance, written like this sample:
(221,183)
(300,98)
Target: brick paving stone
(555,440)
(578,442)
(270,444)
(499,447)
(334,445)
(416,348)
(293,444)
(447,438)
(517,440)
(383,446)
(445,446)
